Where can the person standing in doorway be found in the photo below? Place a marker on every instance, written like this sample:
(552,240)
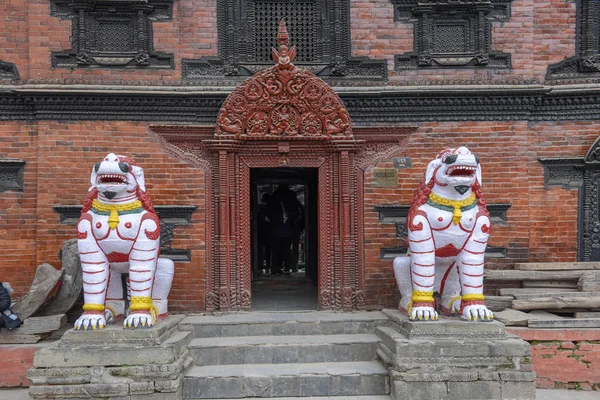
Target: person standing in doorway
(298,229)
(283,208)
(264,235)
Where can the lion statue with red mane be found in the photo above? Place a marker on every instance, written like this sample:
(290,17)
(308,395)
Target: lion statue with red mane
(119,233)
(448,228)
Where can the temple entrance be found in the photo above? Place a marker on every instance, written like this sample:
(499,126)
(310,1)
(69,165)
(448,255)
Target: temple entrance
(284,238)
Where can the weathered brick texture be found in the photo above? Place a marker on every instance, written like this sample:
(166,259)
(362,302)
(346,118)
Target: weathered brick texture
(538,34)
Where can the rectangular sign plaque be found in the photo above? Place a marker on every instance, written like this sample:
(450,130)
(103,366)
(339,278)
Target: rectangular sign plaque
(385,177)
(402,162)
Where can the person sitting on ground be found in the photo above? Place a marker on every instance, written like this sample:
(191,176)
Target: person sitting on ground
(4,298)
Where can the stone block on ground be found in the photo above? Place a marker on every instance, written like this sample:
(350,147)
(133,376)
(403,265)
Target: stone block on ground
(498,303)
(44,287)
(589,282)
(10,337)
(71,287)
(40,325)
(511,317)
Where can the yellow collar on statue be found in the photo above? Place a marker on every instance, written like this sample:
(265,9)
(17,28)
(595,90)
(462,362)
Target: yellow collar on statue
(455,206)
(133,206)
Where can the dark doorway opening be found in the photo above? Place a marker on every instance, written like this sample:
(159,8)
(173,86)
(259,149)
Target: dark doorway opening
(284,239)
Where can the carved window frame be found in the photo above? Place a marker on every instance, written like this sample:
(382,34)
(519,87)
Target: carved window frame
(11,174)
(581,174)
(8,71)
(236,42)
(586,62)
(475,17)
(86,40)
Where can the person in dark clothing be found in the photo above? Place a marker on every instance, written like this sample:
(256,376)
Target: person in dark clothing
(283,209)
(4,299)
(264,233)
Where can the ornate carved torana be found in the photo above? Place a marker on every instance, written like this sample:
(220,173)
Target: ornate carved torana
(284,102)
(321,29)
(586,62)
(112,33)
(452,34)
(283,117)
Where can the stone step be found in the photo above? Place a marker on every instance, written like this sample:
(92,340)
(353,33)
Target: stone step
(283,323)
(293,380)
(284,349)
(510,346)
(382,397)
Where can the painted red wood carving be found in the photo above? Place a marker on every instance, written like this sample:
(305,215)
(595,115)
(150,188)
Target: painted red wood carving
(284,101)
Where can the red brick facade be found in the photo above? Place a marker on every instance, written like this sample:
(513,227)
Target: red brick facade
(576,351)
(541,222)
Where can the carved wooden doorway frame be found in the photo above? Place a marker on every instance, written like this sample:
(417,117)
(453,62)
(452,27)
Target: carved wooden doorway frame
(340,274)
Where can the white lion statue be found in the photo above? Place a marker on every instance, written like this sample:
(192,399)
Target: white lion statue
(448,228)
(119,233)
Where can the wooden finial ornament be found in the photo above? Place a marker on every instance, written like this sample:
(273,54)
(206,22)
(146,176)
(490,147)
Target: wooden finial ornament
(284,56)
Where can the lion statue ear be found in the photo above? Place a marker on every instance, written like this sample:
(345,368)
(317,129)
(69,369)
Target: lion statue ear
(431,168)
(93,179)
(478,175)
(138,173)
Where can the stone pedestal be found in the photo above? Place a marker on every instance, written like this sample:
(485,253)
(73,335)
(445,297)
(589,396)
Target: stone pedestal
(114,363)
(454,359)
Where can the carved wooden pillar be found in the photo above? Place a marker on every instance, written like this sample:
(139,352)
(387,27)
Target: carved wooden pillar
(222,233)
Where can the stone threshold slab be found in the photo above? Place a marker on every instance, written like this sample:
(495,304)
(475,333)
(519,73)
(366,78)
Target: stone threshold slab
(279,317)
(363,368)
(282,340)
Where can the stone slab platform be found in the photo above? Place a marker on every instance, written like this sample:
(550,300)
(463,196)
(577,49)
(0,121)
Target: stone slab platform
(452,359)
(444,327)
(114,363)
(115,335)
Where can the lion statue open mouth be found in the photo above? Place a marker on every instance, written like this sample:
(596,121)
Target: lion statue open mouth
(448,229)
(119,233)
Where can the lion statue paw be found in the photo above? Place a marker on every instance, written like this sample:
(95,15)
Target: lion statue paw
(91,321)
(477,312)
(138,320)
(423,313)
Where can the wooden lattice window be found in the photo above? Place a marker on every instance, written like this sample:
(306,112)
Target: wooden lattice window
(586,62)
(302,21)
(320,30)
(112,33)
(452,34)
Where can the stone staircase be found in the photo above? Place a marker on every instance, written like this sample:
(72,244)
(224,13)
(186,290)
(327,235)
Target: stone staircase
(311,355)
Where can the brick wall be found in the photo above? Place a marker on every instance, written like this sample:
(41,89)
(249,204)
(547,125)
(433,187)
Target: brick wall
(538,34)
(564,358)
